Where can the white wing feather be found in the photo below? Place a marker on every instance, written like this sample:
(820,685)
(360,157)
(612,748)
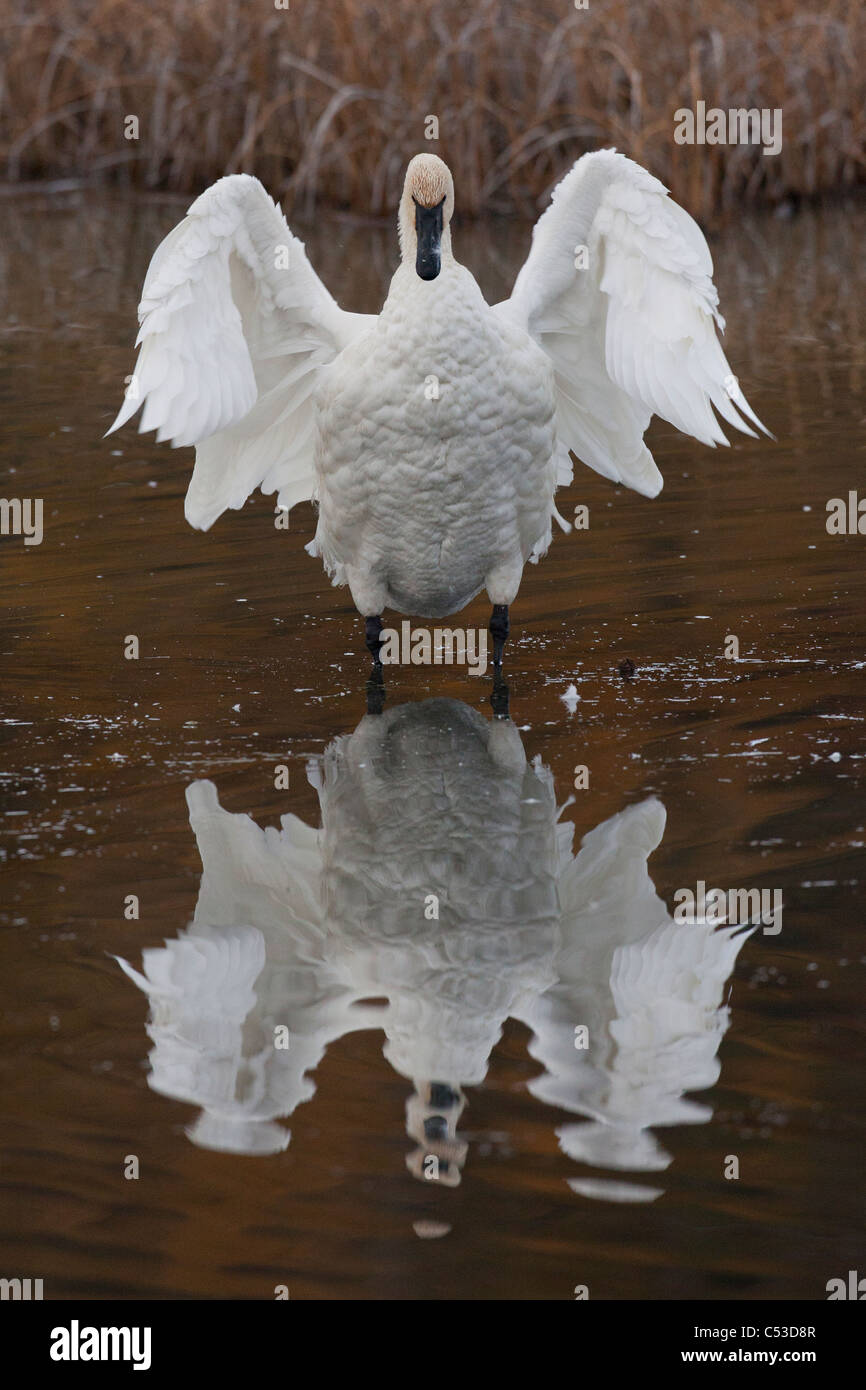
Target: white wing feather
(231,344)
(632,334)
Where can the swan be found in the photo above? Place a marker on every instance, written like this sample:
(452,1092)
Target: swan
(434,434)
(326,932)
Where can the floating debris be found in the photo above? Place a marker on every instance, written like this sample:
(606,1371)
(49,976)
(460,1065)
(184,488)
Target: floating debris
(570,699)
(430,1230)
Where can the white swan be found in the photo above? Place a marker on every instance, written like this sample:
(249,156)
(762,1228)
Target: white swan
(306,930)
(433,434)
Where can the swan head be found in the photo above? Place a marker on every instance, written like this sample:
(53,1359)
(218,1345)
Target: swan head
(425,214)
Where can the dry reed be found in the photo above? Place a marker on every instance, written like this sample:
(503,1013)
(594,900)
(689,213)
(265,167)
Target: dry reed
(325,102)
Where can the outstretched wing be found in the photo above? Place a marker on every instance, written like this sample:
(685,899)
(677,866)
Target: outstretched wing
(235,326)
(618,289)
(649,993)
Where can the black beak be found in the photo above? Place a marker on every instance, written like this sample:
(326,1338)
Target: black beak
(428,229)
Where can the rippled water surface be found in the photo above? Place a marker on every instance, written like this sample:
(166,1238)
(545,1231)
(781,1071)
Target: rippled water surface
(436,1127)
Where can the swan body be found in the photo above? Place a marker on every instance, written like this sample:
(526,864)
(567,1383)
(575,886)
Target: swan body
(434,434)
(421,518)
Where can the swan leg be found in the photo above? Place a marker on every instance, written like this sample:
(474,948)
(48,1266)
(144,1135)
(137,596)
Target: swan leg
(499,630)
(373,634)
(375,691)
(376,682)
(499,695)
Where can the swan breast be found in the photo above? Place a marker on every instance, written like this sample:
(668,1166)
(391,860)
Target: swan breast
(434,448)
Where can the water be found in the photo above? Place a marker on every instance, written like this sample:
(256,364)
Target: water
(559,1165)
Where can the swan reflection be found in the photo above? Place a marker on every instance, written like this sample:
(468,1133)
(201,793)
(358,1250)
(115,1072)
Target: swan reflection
(440,897)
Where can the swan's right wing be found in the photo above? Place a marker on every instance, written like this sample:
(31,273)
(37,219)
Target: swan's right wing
(235,328)
(245,1001)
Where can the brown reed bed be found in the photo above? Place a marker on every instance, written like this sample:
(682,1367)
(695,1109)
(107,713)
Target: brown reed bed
(326,100)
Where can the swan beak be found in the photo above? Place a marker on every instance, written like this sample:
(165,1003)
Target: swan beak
(428,230)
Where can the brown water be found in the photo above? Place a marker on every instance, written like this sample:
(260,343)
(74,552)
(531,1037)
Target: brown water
(250,661)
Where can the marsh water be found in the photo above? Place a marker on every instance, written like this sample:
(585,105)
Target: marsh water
(427,1026)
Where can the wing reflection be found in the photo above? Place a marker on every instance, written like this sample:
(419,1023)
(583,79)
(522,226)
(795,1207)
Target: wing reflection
(443,885)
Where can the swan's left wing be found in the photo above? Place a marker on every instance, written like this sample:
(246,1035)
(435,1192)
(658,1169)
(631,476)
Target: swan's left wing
(235,329)
(618,289)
